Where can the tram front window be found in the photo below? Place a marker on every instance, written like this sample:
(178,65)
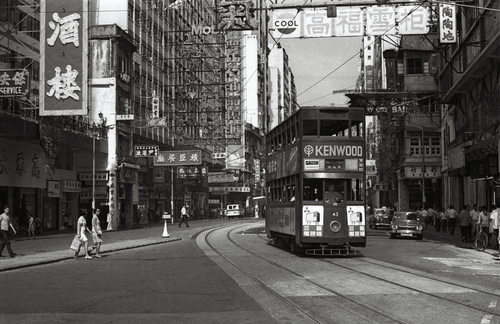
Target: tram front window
(313,189)
(355,190)
(334,191)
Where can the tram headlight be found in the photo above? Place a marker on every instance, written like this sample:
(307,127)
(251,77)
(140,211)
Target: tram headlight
(335,226)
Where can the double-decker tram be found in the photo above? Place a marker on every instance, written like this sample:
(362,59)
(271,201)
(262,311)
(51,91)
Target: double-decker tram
(315,181)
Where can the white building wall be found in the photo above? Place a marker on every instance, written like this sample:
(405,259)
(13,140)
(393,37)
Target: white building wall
(276,64)
(250,80)
(111,12)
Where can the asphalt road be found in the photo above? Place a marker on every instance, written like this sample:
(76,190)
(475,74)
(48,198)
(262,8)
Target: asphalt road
(170,282)
(146,277)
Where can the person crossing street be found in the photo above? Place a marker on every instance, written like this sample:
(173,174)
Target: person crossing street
(184,215)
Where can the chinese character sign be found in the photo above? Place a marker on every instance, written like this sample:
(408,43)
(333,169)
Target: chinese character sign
(63,64)
(447,23)
(236,15)
(168,158)
(145,150)
(14,83)
(380,21)
(351,21)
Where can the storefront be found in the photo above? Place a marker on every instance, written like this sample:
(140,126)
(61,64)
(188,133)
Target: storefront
(22,179)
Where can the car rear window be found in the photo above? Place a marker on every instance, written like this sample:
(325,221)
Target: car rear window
(409,216)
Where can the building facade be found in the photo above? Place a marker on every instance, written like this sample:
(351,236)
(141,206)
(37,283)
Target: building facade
(469,83)
(157,79)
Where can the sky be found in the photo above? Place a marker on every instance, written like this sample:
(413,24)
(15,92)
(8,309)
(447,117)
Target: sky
(312,59)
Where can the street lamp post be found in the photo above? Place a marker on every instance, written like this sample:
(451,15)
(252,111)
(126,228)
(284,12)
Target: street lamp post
(422,147)
(423,167)
(93,166)
(96,129)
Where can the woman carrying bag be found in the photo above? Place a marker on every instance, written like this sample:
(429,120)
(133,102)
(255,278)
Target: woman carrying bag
(80,232)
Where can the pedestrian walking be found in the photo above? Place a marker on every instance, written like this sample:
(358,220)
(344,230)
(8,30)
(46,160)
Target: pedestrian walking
(425,216)
(96,233)
(66,222)
(464,223)
(184,215)
(38,225)
(5,224)
(31,227)
(444,220)
(495,225)
(484,222)
(452,215)
(474,220)
(436,219)
(81,228)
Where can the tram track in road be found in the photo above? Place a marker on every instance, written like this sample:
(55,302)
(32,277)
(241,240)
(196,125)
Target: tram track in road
(361,312)
(491,295)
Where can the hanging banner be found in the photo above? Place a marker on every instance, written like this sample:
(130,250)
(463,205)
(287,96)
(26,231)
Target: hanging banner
(64,57)
(447,23)
(351,21)
(380,21)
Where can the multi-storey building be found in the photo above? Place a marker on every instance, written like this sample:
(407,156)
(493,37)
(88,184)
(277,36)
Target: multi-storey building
(469,82)
(284,94)
(157,76)
(406,140)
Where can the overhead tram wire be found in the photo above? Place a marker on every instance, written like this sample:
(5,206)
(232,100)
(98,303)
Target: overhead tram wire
(339,91)
(326,76)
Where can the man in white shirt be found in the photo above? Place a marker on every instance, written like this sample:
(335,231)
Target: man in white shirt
(494,217)
(474,216)
(5,223)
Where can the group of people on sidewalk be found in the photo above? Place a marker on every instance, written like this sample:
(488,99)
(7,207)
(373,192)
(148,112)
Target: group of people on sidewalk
(469,221)
(96,233)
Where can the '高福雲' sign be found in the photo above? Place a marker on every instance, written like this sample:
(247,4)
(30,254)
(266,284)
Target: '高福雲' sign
(146,150)
(14,83)
(187,157)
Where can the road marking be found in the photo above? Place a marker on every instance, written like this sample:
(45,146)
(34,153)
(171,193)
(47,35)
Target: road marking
(492,304)
(486,319)
(474,264)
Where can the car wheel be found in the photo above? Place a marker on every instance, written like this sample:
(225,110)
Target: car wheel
(420,237)
(393,235)
(374,226)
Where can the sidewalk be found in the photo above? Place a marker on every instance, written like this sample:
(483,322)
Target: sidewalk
(53,246)
(430,232)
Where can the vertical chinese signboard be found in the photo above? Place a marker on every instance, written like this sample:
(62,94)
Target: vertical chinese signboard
(63,64)
(447,23)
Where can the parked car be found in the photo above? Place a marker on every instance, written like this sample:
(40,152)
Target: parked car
(409,224)
(382,217)
(235,210)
